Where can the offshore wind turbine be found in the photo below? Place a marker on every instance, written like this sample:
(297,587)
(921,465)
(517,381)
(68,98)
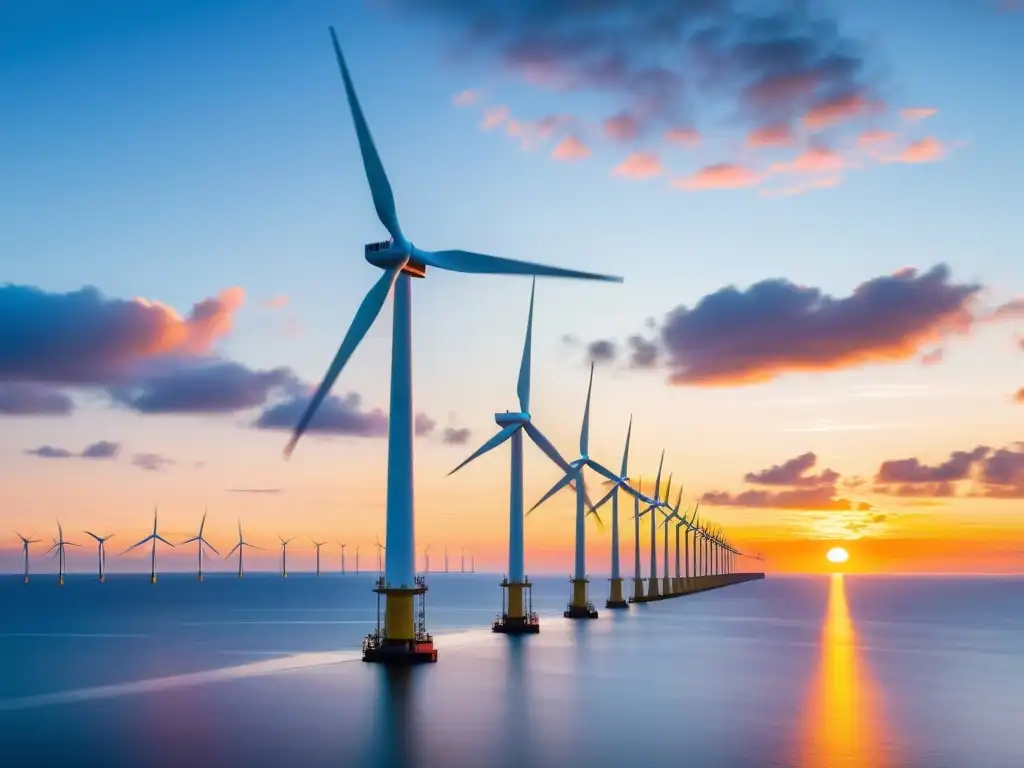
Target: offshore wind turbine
(342,545)
(24,549)
(674,586)
(515,618)
(426,559)
(240,546)
(580,606)
(690,526)
(401,262)
(357,558)
(380,552)
(615,598)
(319,544)
(153,537)
(284,554)
(666,581)
(59,544)
(200,543)
(655,504)
(101,553)
(446,558)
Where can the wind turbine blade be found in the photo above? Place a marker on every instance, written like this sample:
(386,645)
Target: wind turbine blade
(523,387)
(189,541)
(229,554)
(607,497)
(603,470)
(625,452)
(588,502)
(566,479)
(503,435)
(657,481)
(380,187)
(365,315)
(204,541)
(545,445)
(202,523)
(585,429)
(165,541)
(138,544)
(482,264)
(93,535)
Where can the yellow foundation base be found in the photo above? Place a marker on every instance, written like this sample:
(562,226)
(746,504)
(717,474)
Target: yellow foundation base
(580,606)
(400,642)
(652,589)
(615,599)
(638,589)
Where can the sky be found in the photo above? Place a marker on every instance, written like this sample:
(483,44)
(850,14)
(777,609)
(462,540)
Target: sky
(814,207)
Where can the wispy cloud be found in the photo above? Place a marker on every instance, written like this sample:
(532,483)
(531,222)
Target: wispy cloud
(639,166)
(465,98)
(917,114)
(569,149)
(720,176)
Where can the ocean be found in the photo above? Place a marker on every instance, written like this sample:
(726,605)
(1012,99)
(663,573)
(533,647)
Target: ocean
(815,672)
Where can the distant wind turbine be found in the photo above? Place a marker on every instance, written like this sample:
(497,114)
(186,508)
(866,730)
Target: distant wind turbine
(201,542)
(59,544)
(318,544)
(240,546)
(340,544)
(357,557)
(656,504)
(24,549)
(381,549)
(101,553)
(426,559)
(153,537)
(284,554)
(445,558)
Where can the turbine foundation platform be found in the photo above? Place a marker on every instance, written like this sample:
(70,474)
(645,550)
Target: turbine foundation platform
(403,640)
(517,616)
(580,606)
(615,599)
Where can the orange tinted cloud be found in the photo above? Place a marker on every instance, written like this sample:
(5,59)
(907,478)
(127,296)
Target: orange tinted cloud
(689,137)
(916,114)
(927,150)
(873,137)
(835,110)
(621,127)
(276,302)
(639,165)
(813,160)
(530,133)
(720,176)
(775,135)
(570,148)
(494,117)
(1019,397)
(465,98)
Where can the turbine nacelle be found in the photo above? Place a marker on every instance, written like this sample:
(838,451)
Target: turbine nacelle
(387,254)
(508,419)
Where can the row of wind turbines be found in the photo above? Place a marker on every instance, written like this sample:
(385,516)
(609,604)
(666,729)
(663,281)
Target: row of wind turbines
(202,544)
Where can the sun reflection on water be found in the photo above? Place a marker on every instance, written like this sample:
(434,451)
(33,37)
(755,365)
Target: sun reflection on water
(842,721)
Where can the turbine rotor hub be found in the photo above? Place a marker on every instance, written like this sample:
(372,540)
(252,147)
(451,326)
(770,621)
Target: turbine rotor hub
(507,419)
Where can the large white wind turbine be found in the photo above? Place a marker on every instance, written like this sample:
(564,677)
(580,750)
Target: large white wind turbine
(59,544)
(284,554)
(401,261)
(656,504)
(673,583)
(240,546)
(153,537)
(200,542)
(513,425)
(580,606)
(101,553)
(615,597)
(24,549)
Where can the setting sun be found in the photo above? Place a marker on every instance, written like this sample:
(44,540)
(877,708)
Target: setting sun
(837,555)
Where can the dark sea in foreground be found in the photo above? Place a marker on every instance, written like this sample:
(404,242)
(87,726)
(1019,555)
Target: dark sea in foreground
(820,672)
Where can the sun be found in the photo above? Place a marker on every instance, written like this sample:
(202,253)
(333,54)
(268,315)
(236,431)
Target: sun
(837,555)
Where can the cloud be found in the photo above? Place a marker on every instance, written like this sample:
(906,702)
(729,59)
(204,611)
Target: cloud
(50,452)
(84,338)
(813,160)
(152,462)
(926,150)
(465,98)
(774,135)
(643,353)
(1019,397)
(770,63)
(734,337)
(917,114)
(800,491)
(838,109)
(720,176)
(423,425)
(337,415)
(933,357)
(280,301)
(23,399)
(493,117)
(1011,310)
(639,165)
(201,386)
(456,435)
(684,135)
(988,472)
(873,137)
(570,148)
(102,449)
(621,127)
(601,351)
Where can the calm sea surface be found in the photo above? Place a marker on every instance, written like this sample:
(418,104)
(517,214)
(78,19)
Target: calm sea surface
(829,672)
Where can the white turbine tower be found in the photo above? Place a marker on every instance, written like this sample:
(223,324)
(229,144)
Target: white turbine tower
(401,261)
(319,544)
(615,597)
(580,606)
(674,585)
(426,559)
(24,549)
(284,554)
(655,504)
(342,545)
(59,544)
(153,537)
(240,546)
(101,553)
(516,619)
(690,527)
(201,542)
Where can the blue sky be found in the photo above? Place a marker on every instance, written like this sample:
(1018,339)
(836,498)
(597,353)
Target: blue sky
(173,150)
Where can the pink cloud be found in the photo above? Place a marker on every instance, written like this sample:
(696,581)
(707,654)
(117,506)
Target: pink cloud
(465,98)
(916,114)
(494,117)
(813,160)
(804,185)
(774,135)
(639,165)
(933,357)
(621,127)
(688,137)
(569,149)
(835,110)
(927,150)
(720,176)
(530,133)
(874,137)
(276,302)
